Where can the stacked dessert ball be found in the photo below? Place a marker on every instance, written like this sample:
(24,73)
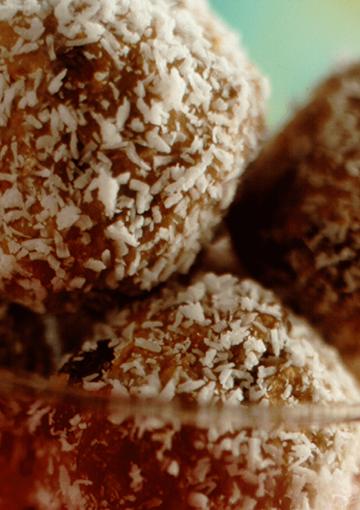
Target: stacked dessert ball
(302,204)
(218,340)
(125,127)
(125,130)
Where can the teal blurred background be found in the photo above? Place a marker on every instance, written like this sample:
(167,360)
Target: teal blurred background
(294,41)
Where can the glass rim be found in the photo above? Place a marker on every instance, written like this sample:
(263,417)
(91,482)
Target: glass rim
(252,415)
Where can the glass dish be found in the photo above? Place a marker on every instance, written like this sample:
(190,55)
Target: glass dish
(31,451)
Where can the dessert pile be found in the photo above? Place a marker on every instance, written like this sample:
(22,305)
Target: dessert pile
(139,202)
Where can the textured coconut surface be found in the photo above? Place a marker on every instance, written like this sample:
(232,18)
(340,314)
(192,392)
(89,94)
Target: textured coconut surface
(124,128)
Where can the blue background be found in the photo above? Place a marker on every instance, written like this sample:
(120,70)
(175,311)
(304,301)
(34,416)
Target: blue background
(294,42)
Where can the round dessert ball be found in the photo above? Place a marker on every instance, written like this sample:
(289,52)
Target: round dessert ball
(220,340)
(124,129)
(302,203)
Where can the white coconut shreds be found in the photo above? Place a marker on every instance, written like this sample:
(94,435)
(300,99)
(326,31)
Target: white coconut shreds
(237,346)
(124,127)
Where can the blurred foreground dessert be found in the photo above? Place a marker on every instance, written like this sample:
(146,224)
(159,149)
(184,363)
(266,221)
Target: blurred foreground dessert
(219,340)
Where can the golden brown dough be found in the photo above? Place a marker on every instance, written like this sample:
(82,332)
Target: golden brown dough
(124,129)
